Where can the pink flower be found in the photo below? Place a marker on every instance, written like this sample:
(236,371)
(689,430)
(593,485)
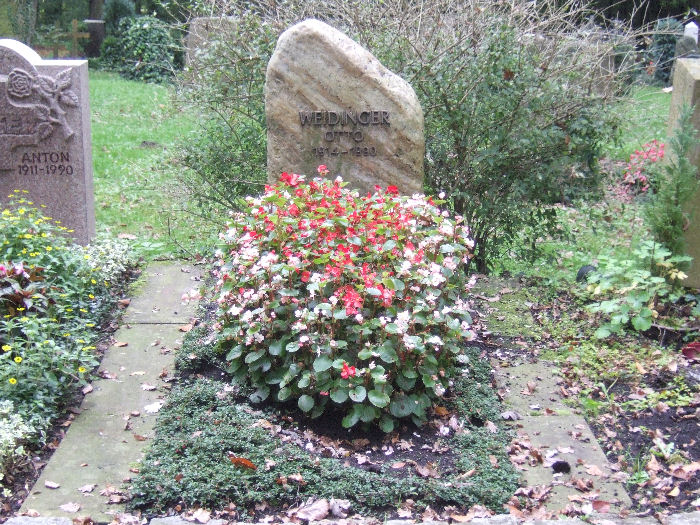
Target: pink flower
(348,371)
(322,170)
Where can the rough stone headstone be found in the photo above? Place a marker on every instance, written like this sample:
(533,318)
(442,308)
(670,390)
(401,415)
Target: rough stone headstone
(329,101)
(45,143)
(691,30)
(686,91)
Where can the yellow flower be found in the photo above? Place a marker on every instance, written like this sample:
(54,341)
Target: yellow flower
(6,348)
(93,281)
(12,381)
(28,236)
(91,296)
(20,309)
(86,256)
(83,310)
(81,369)
(49,248)
(18,359)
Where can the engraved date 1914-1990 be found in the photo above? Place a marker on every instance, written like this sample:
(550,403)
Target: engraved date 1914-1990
(357,151)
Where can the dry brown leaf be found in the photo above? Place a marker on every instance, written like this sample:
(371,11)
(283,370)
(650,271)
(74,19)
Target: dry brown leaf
(243,462)
(70,507)
(138,437)
(51,484)
(314,511)
(123,303)
(491,427)
(601,506)
(87,488)
(593,470)
(87,389)
(201,515)
(674,492)
(147,387)
(120,344)
(185,327)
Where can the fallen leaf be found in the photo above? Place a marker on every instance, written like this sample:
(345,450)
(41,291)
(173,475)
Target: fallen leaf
(87,488)
(427,471)
(674,492)
(601,506)
(314,511)
(593,470)
(510,415)
(530,388)
(138,437)
(691,350)
(185,328)
(137,373)
(494,461)
(128,236)
(398,465)
(242,462)
(147,387)
(491,427)
(297,478)
(123,303)
(340,508)
(70,507)
(87,389)
(120,344)
(153,407)
(201,515)
(51,484)
(441,411)
(83,520)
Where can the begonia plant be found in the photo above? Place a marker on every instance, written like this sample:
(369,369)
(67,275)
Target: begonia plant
(339,300)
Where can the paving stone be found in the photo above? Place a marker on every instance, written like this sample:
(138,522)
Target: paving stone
(545,395)
(500,519)
(117,418)
(26,520)
(688,518)
(159,299)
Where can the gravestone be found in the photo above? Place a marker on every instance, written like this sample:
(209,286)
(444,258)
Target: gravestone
(329,101)
(45,146)
(96,29)
(686,91)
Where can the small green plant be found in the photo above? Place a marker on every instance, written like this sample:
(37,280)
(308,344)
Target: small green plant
(334,300)
(14,431)
(668,214)
(52,296)
(633,287)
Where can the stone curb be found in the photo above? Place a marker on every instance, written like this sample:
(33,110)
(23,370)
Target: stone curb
(687,518)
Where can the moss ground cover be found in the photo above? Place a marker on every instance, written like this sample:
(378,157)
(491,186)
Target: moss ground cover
(208,421)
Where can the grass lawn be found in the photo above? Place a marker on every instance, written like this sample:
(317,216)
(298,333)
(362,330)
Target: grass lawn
(135,131)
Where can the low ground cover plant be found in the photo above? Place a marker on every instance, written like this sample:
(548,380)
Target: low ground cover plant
(214,449)
(53,297)
(336,300)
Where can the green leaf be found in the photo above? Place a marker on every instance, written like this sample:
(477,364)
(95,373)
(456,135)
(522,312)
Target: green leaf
(641,323)
(306,403)
(259,395)
(368,413)
(277,346)
(284,393)
(292,347)
(339,395)
(365,353)
(322,363)
(405,383)
(305,380)
(428,381)
(391,328)
(234,353)
(378,399)
(254,356)
(386,424)
(401,406)
(602,332)
(373,291)
(351,419)
(387,353)
(389,245)
(358,394)
(340,315)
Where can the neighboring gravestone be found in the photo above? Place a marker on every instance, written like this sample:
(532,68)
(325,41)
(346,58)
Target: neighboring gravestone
(686,91)
(45,146)
(329,101)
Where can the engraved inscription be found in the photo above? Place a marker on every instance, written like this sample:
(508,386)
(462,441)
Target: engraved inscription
(354,138)
(46,163)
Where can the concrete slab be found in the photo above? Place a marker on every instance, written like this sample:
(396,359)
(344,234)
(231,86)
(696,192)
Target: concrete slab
(569,439)
(688,518)
(117,418)
(531,388)
(159,294)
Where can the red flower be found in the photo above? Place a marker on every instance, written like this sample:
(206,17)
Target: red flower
(292,179)
(348,371)
(322,170)
(392,190)
(305,275)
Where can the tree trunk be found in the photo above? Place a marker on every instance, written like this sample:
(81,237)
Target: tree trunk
(96,9)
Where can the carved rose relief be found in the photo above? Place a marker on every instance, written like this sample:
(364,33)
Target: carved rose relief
(53,97)
(19,83)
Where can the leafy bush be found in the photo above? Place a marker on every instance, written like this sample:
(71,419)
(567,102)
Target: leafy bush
(14,431)
(141,49)
(225,81)
(634,287)
(114,11)
(663,47)
(507,113)
(339,301)
(667,213)
(52,295)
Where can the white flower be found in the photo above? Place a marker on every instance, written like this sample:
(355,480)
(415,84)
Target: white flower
(359,318)
(303,339)
(435,340)
(441,195)
(439,389)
